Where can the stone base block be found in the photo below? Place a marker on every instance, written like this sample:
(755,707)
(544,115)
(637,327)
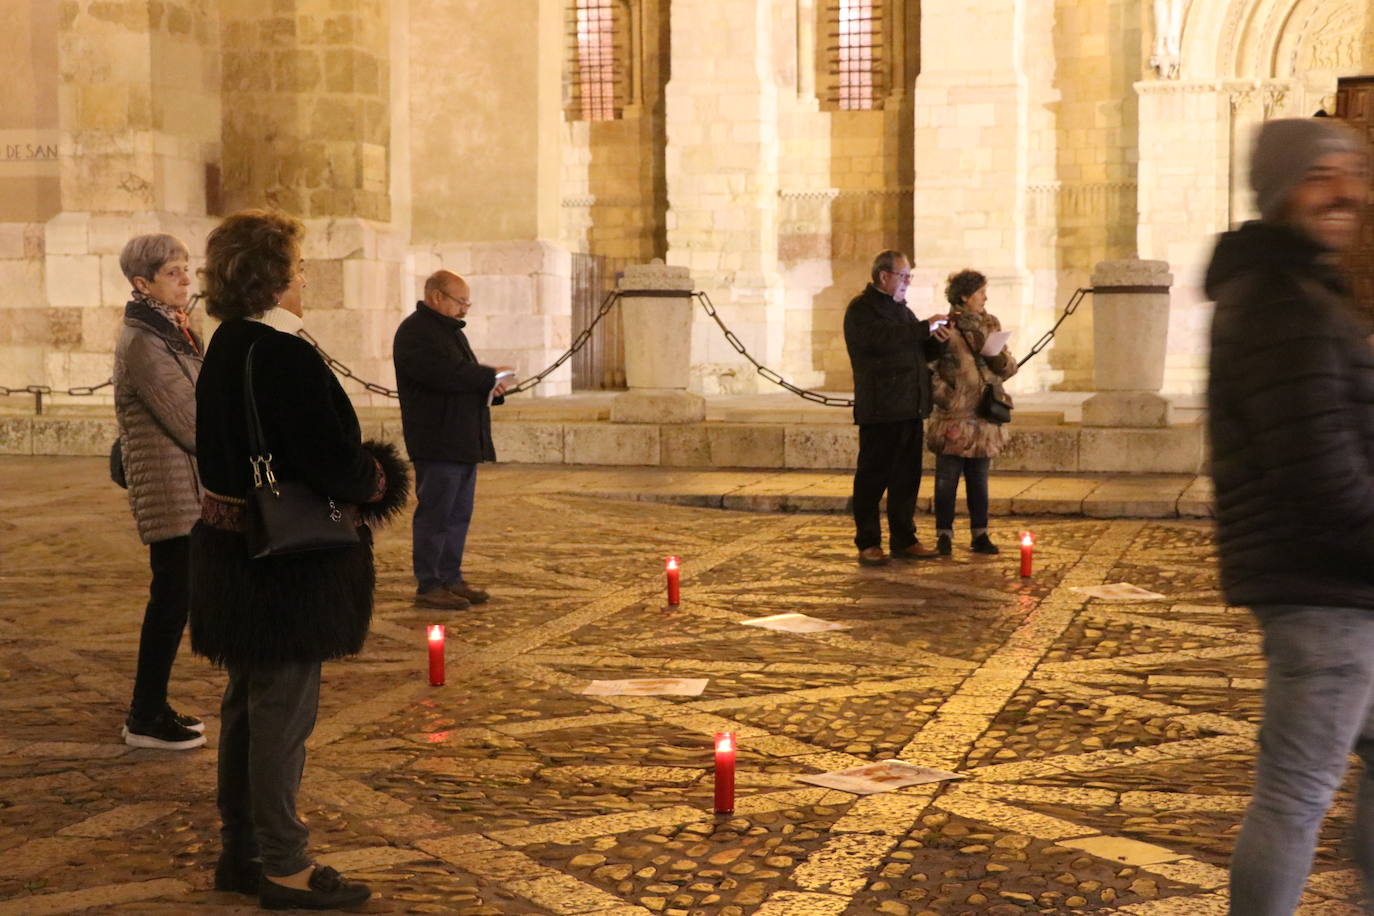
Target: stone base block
(1038,448)
(658,405)
(1175,450)
(1130,409)
(821,447)
(609,443)
(528,443)
(723,445)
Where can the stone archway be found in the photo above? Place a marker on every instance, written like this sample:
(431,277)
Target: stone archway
(1241,62)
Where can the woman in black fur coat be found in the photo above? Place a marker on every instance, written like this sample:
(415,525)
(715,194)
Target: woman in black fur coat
(271,621)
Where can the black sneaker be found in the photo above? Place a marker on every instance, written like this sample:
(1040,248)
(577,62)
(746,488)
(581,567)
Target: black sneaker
(983,544)
(186,721)
(238,876)
(943,546)
(328,891)
(163,733)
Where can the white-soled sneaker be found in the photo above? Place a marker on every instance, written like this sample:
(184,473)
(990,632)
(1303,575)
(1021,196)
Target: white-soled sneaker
(163,733)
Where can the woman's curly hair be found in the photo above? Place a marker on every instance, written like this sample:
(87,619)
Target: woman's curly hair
(959,286)
(250,259)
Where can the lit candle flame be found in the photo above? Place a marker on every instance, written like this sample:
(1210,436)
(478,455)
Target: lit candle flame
(725,742)
(672,562)
(436,633)
(1026,539)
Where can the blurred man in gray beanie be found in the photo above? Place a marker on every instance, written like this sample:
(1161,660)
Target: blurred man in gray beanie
(1291,417)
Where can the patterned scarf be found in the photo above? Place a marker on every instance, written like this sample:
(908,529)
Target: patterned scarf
(179,318)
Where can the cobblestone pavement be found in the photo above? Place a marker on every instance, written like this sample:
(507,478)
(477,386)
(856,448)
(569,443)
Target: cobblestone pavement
(1107,745)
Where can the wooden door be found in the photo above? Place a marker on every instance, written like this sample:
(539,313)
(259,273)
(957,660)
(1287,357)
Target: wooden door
(1355,105)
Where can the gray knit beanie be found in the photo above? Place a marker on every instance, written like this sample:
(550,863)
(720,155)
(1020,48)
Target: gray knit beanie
(1285,149)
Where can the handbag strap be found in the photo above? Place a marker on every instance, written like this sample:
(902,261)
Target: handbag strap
(258,456)
(978,362)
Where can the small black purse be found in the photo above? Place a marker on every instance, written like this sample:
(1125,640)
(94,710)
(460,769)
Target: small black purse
(285,516)
(990,406)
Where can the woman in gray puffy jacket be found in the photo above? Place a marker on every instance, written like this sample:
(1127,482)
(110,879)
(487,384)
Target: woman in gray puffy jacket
(157,360)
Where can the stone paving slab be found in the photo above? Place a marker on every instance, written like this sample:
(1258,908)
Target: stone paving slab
(1107,747)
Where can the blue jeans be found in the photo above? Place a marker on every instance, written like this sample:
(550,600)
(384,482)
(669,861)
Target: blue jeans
(1318,707)
(443,510)
(948,470)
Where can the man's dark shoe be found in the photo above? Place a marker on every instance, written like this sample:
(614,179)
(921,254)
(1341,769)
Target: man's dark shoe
(943,546)
(442,599)
(872,556)
(983,544)
(917,551)
(162,733)
(473,594)
(185,721)
(238,876)
(328,891)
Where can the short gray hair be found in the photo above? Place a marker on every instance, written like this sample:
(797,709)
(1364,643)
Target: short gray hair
(144,255)
(887,260)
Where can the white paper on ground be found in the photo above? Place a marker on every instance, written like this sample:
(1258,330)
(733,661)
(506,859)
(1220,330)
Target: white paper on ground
(883,776)
(1117,591)
(995,342)
(795,623)
(648,687)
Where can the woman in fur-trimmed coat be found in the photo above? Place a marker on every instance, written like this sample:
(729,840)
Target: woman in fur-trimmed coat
(963,442)
(272,621)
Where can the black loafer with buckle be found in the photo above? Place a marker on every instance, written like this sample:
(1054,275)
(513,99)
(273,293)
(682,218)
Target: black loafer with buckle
(329,890)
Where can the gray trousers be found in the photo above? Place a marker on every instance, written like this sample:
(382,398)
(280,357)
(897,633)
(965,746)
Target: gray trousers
(1318,707)
(265,717)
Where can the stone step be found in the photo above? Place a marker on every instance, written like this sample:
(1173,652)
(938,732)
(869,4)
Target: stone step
(1038,443)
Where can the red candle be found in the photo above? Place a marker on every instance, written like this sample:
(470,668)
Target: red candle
(1027,544)
(725,772)
(674,591)
(436,655)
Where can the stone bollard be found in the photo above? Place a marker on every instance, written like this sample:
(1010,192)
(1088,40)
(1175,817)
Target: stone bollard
(656,308)
(1130,337)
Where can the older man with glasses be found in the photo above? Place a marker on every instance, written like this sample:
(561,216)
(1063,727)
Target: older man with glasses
(446,396)
(890,350)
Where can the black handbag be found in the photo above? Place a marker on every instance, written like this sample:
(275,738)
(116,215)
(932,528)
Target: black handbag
(117,464)
(990,406)
(285,516)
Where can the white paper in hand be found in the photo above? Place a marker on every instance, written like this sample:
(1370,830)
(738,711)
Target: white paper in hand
(995,342)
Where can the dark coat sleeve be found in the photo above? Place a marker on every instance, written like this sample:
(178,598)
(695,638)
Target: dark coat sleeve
(881,342)
(310,425)
(1301,422)
(427,359)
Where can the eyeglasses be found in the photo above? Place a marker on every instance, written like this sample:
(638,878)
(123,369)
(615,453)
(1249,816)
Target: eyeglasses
(446,294)
(905,275)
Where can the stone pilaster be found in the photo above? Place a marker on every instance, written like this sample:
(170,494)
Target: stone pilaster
(307,107)
(1130,341)
(972,147)
(657,310)
(722,171)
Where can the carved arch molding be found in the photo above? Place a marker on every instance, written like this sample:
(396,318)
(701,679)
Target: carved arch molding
(1308,42)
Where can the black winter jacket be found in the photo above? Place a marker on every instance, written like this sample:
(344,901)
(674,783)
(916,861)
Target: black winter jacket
(444,390)
(889,350)
(1291,417)
(304,607)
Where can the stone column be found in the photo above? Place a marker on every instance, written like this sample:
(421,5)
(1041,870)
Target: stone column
(307,129)
(657,309)
(1130,340)
(972,115)
(722,171)
(138,115)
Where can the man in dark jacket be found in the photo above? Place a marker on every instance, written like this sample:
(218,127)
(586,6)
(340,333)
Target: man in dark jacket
(445,415)
(1291,415)
(889,350)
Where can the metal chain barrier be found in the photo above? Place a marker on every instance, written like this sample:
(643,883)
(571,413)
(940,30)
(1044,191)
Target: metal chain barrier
(612,297)
(763,370)
(38,391)
(1074,302)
